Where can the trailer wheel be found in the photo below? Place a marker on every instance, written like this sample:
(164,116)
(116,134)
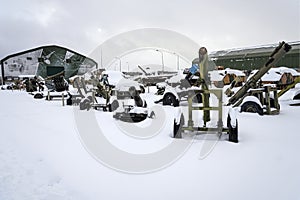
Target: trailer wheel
(219,84)
(232,132)
(297,97)
(170,100)
(177,128)
(38,96)
(113,106)
(252,107)
(85,104)
(142,89)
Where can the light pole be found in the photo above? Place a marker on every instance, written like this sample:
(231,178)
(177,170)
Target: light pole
(162,59)
(177,60)
(119,63)
(101,57)
(127,66)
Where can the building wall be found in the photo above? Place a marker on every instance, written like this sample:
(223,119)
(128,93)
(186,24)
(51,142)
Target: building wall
(249,59)
(290,60)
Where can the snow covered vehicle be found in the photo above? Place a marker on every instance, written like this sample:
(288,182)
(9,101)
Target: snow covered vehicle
(175,90)
(115,93)
(55,86)
(114,87)
(124,99)
(128,105)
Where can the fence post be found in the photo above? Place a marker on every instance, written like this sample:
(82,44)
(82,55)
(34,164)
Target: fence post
(63,99)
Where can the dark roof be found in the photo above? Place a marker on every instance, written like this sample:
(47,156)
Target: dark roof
(263,50)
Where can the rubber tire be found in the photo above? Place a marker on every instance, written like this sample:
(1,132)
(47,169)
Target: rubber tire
(142,89)
(252,107)
(297,97)
(69,101)
(232,132)
(219,84)
(83,105)
(170,100)
(38,96)
(177,128)
(113,106)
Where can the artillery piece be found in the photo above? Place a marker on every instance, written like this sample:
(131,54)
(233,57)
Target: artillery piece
(204,105)
(252,97)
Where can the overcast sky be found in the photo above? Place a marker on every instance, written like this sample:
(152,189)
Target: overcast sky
(83,25)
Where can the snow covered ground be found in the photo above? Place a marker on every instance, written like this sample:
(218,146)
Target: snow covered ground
(42,157)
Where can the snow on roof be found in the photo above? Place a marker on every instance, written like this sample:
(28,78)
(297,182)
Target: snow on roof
(283,69)
(218,75)
(234,71)
(272,75)
(246,51)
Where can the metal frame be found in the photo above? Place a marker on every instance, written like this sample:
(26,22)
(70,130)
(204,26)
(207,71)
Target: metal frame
(264,96)
(205,93)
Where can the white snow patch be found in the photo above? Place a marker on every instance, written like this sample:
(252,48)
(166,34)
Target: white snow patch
(41,157)
(218,75)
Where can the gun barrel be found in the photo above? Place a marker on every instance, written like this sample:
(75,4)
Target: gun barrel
(142,70)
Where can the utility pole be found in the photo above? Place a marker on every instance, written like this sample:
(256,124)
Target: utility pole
(120,64)
(162,59)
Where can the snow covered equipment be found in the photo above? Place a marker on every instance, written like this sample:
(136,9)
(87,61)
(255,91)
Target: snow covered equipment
(129,106)
(254,98)
(204,93)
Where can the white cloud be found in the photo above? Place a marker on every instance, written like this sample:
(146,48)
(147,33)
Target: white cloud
(83,25)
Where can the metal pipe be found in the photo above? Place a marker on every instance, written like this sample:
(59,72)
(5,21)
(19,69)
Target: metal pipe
(63,99)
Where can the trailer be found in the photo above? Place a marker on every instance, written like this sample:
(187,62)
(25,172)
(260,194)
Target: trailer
(201,91)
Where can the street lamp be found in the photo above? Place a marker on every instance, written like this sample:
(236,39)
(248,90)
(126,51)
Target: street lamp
(162,59)
(101,58)
(177,60)
(120,64)
(127,66)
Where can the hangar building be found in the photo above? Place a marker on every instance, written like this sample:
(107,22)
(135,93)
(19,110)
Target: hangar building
(46,61)
(255,57)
